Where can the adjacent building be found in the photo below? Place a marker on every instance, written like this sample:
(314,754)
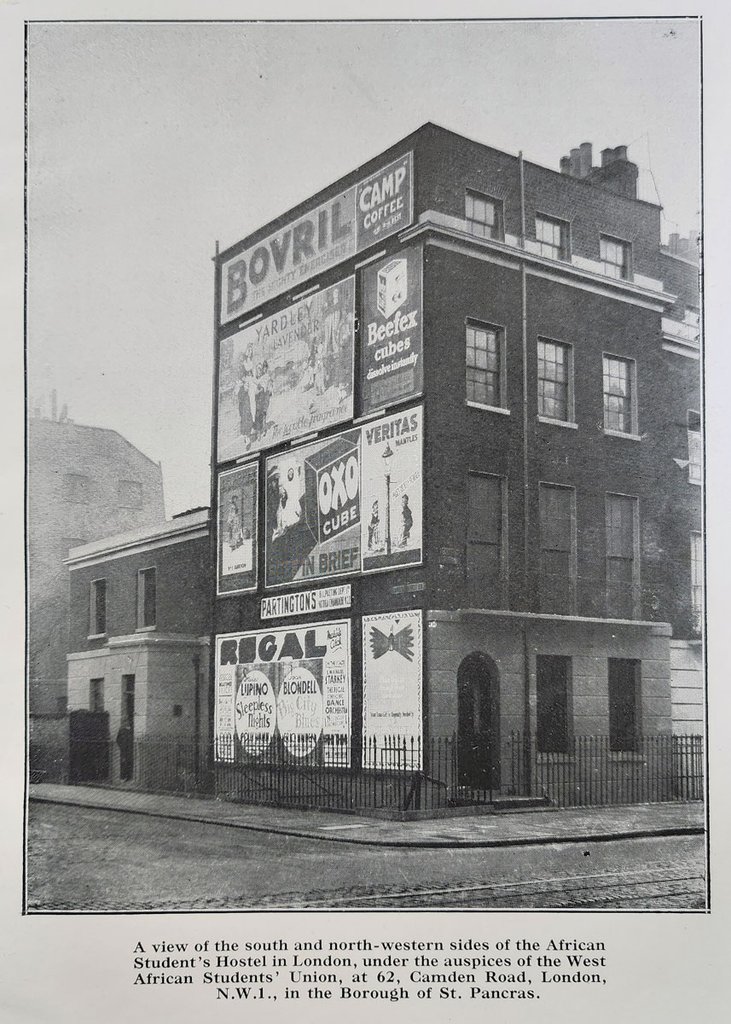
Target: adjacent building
(83,483)
(139,632)
(458,469)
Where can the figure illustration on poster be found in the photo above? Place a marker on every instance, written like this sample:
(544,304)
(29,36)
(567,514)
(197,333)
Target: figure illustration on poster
(237,516)
(288,374)
(392,484)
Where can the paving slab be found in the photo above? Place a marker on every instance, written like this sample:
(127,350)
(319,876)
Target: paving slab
(503,828)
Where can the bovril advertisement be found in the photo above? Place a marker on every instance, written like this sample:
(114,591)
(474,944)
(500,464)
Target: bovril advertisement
(361,216)
(289,684)
(391,332)
(349,503)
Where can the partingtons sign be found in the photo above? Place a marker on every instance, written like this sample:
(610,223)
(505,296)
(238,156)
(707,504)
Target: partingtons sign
(291,684)
(363,215)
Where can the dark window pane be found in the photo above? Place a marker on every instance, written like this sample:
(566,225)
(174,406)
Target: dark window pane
(624,712)
(552,693)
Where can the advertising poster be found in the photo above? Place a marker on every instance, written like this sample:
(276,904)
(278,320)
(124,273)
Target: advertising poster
(313,511)
(359,217)
(237,529)
(306,602)
(391,332)
(292,684)
(392,689)
(391,522)
(288,374)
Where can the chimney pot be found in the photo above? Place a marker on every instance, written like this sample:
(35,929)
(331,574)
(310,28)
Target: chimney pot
(585,159)
(575,163)
(565,165)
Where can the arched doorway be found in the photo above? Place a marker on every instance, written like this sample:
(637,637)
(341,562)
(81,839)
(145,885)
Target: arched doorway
(478,717)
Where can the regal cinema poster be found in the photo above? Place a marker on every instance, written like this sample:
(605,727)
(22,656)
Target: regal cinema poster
(392,686)
(361,216)
(313,511)
(237,530)
(289,374)
(290,685)
(391,469)
(391,333)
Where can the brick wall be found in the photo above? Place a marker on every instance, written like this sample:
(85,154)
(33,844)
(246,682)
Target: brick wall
(56,523)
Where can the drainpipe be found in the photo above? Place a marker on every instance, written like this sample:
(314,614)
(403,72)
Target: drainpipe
(526,489)
(196,717)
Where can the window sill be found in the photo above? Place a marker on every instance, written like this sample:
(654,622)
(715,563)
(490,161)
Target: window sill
(696,483)
(487,408)
(558,423)
(622,433)
(97,636)
(145,629)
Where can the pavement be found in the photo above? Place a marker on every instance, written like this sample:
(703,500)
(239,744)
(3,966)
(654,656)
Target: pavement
(499,829)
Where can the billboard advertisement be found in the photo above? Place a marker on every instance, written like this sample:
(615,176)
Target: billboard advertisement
(392,689)
(313,511)
(291,685)
(391,332)
(237,530)
(289,374)
(361,216)
(391,459)
(306,602)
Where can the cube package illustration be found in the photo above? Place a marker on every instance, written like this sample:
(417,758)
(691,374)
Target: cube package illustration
(332,498)
(392,287)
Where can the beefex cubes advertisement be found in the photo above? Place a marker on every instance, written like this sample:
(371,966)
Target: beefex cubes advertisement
(392,689)
(291,685)
(237,529)
(391,333)
(361,216)
(349,503)
(392,454)
(313,511)
(289,374)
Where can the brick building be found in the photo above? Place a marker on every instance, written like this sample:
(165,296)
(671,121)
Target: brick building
(463,388)
(138,641)
(83,483)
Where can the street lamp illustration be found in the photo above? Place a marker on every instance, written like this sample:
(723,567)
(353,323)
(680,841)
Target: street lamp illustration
(387,460)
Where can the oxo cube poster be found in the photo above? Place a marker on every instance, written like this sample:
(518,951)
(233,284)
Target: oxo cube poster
(313,511)
(284,691)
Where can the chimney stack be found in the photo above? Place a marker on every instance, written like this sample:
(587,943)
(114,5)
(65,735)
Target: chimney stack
(617,173)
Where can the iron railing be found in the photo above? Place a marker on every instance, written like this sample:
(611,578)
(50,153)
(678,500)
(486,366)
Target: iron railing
(398,774)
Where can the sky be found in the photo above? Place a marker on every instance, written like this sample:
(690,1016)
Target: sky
(150,142)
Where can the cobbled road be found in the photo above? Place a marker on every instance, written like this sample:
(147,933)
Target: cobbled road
(82,860)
